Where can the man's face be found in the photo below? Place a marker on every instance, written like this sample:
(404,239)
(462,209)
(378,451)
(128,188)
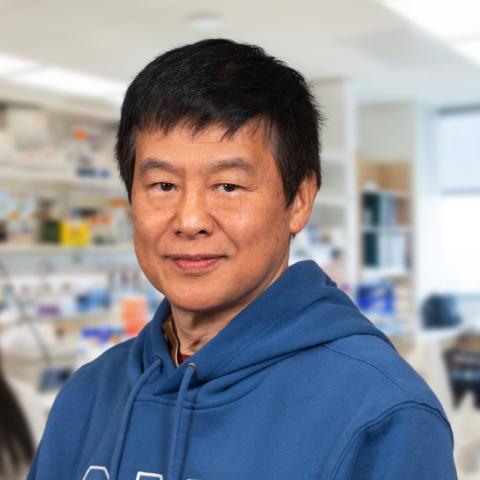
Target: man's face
(211,228)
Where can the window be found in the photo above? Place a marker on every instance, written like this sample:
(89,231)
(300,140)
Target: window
(458,153)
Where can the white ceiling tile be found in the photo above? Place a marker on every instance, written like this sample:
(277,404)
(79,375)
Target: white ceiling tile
(33,22)
(117,38)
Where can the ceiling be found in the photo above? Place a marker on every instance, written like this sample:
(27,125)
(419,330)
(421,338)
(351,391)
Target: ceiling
(385,57)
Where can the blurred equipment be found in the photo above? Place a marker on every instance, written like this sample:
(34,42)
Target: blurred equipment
(463,362)
(29,365)
(440,311)
(376,298)
(43,368)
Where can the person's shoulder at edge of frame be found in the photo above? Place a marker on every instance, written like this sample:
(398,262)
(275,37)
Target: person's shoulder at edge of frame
(398,412)
(380,360)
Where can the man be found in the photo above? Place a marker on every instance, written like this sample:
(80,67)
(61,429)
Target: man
(249,369)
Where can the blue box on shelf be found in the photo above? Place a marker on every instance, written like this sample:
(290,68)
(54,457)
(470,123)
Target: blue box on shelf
(376,298)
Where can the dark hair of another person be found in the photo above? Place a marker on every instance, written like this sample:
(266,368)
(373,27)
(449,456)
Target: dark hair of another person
(16,443)
(223,83)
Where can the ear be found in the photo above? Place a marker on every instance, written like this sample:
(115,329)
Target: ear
(302,205)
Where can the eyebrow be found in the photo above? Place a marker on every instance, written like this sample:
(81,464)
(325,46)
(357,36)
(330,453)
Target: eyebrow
(156,164)
(238,163)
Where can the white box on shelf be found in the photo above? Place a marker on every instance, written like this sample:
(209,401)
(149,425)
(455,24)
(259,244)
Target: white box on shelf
(26,126)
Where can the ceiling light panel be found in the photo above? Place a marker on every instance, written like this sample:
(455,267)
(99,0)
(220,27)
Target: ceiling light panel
(10,65)
(206,22)
(69,82)
(446,19)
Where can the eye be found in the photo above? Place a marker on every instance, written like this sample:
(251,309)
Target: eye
(228,187)
(165,187)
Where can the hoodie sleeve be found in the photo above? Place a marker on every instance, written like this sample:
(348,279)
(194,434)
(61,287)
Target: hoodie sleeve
(410,442)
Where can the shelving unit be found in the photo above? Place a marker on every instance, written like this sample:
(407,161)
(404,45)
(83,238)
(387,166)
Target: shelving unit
(62,183)
(64,290)
(392,159)
(48,177)
(95,110)
(333,219)
(48,249)
(385,234)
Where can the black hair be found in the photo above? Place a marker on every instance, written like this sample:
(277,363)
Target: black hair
(229,84)
(16,443)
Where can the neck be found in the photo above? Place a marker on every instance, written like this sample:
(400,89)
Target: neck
(195,329)
(194,332)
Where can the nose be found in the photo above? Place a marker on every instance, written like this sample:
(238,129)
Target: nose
(192,218)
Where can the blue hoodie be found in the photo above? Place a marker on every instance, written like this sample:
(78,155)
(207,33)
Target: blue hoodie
(299,385)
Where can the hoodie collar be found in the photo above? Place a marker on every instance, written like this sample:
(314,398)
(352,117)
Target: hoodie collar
(301,309)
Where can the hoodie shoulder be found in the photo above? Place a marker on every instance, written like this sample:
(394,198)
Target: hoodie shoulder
(408,421)
(367,352)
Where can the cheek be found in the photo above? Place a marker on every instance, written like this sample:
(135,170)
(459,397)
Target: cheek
(149,226)
(148,223)
(258,226)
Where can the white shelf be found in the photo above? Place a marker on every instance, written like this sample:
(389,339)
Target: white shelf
(42,249)
(375,274)
(79,106)
(391,193)
(391,229)
(88,182)
(42,176)
(99,316)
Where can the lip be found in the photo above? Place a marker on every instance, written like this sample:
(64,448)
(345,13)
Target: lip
(195,263)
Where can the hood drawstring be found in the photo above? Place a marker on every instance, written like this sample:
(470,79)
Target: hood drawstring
(191,369)
(117,452)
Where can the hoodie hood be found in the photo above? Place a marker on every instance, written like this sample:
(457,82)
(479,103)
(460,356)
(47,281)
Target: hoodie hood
(300,310)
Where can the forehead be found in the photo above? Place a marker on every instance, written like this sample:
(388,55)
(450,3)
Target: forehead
(250,142)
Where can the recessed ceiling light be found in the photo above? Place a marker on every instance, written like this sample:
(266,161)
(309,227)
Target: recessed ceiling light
(205,22)
(10,64)
(69,82)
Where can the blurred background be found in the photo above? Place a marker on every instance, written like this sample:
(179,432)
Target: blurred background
(396,223)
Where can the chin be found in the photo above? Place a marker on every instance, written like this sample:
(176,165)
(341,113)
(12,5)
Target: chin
(204,301)
(198,305)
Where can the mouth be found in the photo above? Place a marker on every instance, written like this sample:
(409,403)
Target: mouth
(195,263)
